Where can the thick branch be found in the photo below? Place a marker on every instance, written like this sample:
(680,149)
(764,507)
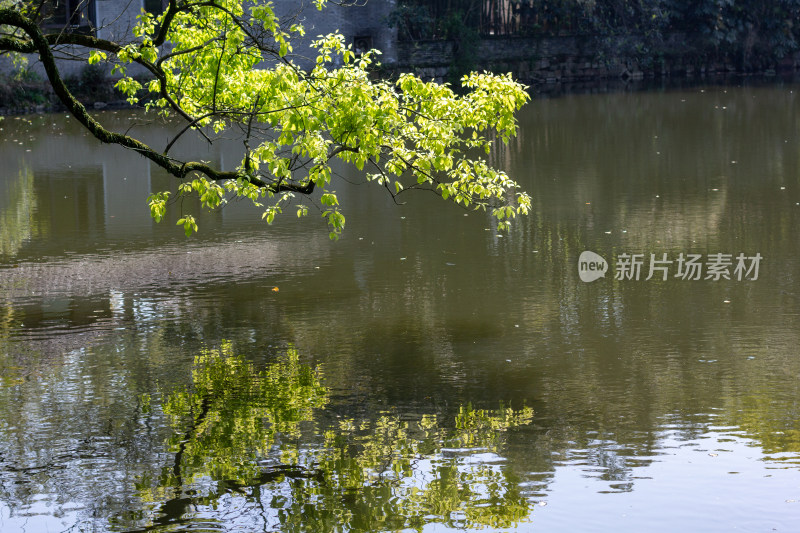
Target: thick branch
(10,44)
(169,14)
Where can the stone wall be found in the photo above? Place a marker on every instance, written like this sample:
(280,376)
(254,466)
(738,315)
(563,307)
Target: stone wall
(565,59)
(361,24)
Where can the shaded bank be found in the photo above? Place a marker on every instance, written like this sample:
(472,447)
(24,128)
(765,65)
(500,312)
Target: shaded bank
(29,92)
(35,96)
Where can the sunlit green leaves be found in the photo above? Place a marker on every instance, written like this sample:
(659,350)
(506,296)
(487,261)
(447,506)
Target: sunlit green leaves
(158,205)
(188,223)
(129,87)
(211,194)
(225,66)
(95,56)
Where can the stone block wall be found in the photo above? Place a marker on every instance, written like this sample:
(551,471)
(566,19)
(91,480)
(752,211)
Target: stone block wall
(360,22)
(563,59)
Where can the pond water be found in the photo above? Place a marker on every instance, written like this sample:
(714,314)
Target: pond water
(424,372)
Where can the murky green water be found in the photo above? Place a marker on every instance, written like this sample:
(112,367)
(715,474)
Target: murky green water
(150,382)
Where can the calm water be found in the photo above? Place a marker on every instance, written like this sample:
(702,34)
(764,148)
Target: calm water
(424,372)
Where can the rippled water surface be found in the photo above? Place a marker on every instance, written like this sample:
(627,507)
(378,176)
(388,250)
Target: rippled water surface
(424,372)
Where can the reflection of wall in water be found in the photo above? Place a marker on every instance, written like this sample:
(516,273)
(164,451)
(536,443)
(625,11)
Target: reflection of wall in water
(18,206)
(73,206)
(81,185)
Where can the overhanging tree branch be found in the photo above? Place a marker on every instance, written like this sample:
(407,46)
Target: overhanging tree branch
(40,44)
(226,68)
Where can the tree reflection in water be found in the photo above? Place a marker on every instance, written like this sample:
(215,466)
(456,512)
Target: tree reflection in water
(18,205)
(255,450)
